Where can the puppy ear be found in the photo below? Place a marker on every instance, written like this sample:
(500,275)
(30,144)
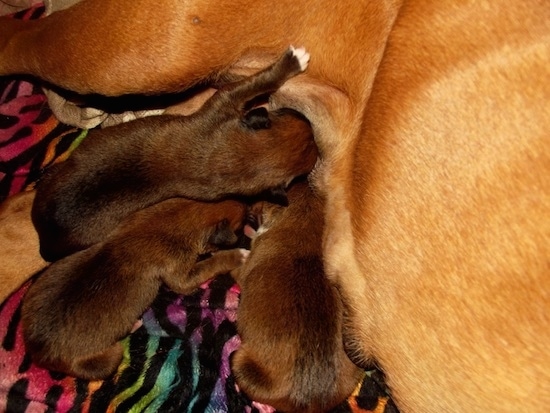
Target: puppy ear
(223,235)
(257,118)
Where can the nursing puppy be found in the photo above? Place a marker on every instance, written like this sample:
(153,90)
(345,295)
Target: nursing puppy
(19,255)
(79,308)
(122,169)
(290,315)
(431,119)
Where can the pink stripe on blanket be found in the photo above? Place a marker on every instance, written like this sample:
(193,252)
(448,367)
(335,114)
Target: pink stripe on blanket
(30,126)
(16,367)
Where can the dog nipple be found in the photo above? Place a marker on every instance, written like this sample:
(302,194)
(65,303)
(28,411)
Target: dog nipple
(197,20)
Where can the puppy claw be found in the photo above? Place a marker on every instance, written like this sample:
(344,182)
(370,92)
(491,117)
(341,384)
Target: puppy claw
(302,56)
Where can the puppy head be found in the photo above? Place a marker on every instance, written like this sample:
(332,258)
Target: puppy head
(221,220)
(260,217)
(269,148)
(287,131)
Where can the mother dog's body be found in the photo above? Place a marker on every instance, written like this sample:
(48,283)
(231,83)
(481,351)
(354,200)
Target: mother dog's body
(432,120)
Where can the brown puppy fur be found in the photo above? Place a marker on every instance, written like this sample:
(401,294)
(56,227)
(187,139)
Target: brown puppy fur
(290,315)
(432,121)
(20,245)
(122,169)
(19,241)
(80,307)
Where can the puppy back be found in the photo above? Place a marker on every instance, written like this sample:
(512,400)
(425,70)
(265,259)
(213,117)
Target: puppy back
(313,373)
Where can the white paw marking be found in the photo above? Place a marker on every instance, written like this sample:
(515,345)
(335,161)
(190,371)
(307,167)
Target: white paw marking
(302,56)
(261,230)
(244,254)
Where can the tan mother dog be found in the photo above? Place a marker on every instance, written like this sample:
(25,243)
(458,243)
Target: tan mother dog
(432,118)
(19,243)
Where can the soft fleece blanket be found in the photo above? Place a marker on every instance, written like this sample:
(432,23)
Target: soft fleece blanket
(178,361)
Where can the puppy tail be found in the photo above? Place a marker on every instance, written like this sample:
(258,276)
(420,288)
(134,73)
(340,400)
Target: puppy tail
(98,366)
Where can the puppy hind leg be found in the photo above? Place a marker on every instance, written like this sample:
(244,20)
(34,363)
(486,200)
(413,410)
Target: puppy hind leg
(257,383)
(98,366)
(268,80)
(249,374)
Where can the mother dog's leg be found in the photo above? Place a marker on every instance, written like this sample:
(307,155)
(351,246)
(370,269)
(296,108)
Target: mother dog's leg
(135,46)
(19,243)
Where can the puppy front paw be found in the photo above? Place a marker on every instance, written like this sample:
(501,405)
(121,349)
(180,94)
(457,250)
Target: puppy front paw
(227,260)
(301,55)
(244,255)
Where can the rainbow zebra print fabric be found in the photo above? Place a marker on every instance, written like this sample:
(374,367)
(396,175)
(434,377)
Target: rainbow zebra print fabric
(177,361)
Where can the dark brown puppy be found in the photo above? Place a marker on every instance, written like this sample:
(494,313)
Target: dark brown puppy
(148,160)
(80,307)
(292,355)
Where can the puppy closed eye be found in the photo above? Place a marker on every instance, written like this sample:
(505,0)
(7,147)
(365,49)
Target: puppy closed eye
(257,118)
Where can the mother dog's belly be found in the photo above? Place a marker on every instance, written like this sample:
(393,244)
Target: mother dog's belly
(441,244)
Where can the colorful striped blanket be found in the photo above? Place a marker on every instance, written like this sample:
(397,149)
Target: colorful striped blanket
(178,361)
